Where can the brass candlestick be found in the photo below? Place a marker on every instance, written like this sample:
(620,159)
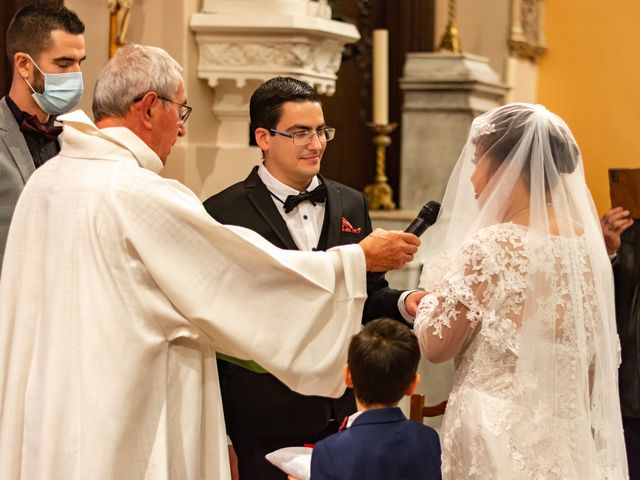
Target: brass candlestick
(380,194)
(450,41)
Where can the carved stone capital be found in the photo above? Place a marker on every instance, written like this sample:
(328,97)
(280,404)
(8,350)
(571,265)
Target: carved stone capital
(244,47)
(246,59)
(243,43)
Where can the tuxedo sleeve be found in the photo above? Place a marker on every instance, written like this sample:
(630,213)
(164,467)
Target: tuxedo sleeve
(382,301)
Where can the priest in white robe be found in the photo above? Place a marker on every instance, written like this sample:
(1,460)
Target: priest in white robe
(118,288)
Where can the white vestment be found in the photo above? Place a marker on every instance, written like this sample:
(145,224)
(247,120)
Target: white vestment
(117,290)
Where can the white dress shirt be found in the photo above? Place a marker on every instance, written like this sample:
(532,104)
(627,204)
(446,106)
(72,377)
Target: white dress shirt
(305,221)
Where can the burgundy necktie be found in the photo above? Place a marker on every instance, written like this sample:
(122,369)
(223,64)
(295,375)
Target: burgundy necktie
(344,423)
(32,125)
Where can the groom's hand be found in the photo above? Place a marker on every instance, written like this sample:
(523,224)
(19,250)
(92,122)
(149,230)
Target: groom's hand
(412,301)
(388,250)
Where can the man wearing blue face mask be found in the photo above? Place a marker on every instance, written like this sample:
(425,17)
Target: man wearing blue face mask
(45,45)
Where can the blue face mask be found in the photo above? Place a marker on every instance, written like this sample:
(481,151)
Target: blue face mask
(62,91)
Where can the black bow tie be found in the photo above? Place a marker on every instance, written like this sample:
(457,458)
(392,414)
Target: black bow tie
(317,195)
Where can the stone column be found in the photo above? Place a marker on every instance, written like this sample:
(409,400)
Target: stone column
(442,94)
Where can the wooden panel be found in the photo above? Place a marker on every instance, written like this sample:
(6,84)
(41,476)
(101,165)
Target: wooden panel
(350,158)
(623,188)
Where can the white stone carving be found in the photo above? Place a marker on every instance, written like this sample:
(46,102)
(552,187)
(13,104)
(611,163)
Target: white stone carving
(245,40)
(316,64)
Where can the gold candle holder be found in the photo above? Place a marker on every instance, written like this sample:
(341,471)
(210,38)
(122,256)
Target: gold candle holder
(380,194)
(450,41)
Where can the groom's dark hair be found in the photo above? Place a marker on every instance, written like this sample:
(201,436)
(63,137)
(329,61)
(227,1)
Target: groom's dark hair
(265,106)
(383,359)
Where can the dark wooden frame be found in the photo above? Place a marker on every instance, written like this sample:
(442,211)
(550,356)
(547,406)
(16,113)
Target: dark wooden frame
(417,409)
(350,158)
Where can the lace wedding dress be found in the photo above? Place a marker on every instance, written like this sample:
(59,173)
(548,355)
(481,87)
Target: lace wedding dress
(497,425)
(521,296)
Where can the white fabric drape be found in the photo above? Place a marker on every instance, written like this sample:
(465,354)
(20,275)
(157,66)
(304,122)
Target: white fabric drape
(118,288)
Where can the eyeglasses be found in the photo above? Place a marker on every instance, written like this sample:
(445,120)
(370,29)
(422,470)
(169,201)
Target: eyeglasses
(183,113)
(305,137)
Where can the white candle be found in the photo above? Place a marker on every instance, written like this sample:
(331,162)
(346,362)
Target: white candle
(381,77)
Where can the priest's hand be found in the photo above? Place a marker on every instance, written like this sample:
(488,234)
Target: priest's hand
(387,250)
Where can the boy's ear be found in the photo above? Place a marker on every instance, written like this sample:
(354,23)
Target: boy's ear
(347,377)
(411,389)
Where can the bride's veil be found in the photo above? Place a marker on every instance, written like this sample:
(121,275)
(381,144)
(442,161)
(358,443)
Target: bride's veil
(568,355)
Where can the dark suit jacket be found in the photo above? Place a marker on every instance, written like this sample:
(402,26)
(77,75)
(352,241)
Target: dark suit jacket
(257,404)
(380,444)
(626,271)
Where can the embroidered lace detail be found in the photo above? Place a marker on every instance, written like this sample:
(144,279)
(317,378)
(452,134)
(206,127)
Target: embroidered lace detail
(499,425)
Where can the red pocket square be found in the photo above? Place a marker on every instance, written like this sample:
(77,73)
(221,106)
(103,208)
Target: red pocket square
(346,227)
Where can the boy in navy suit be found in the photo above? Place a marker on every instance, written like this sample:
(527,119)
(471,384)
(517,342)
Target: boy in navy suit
(378,441)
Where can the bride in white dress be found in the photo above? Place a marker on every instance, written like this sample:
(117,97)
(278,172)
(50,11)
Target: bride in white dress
(521,294)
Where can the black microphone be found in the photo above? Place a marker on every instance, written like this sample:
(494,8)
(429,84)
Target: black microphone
(426,217)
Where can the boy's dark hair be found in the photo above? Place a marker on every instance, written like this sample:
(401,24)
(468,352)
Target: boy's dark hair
(30,29)
(266,102)
(383,359)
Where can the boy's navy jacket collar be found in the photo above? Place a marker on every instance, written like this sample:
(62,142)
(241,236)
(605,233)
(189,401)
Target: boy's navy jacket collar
(383,415)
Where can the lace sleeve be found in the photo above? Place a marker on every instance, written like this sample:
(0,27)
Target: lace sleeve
(445,317)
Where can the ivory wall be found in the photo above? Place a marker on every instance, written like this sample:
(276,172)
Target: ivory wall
(588,74)
(163,23)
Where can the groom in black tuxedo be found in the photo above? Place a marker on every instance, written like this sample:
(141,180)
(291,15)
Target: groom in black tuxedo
(288,202)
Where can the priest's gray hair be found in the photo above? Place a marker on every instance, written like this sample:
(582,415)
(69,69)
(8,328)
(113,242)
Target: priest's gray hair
(133,71)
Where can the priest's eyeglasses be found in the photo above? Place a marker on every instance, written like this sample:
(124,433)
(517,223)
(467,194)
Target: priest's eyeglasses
(304,138)
(183,113)
(185,110)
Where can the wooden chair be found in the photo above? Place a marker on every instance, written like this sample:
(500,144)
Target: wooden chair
(417,410)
